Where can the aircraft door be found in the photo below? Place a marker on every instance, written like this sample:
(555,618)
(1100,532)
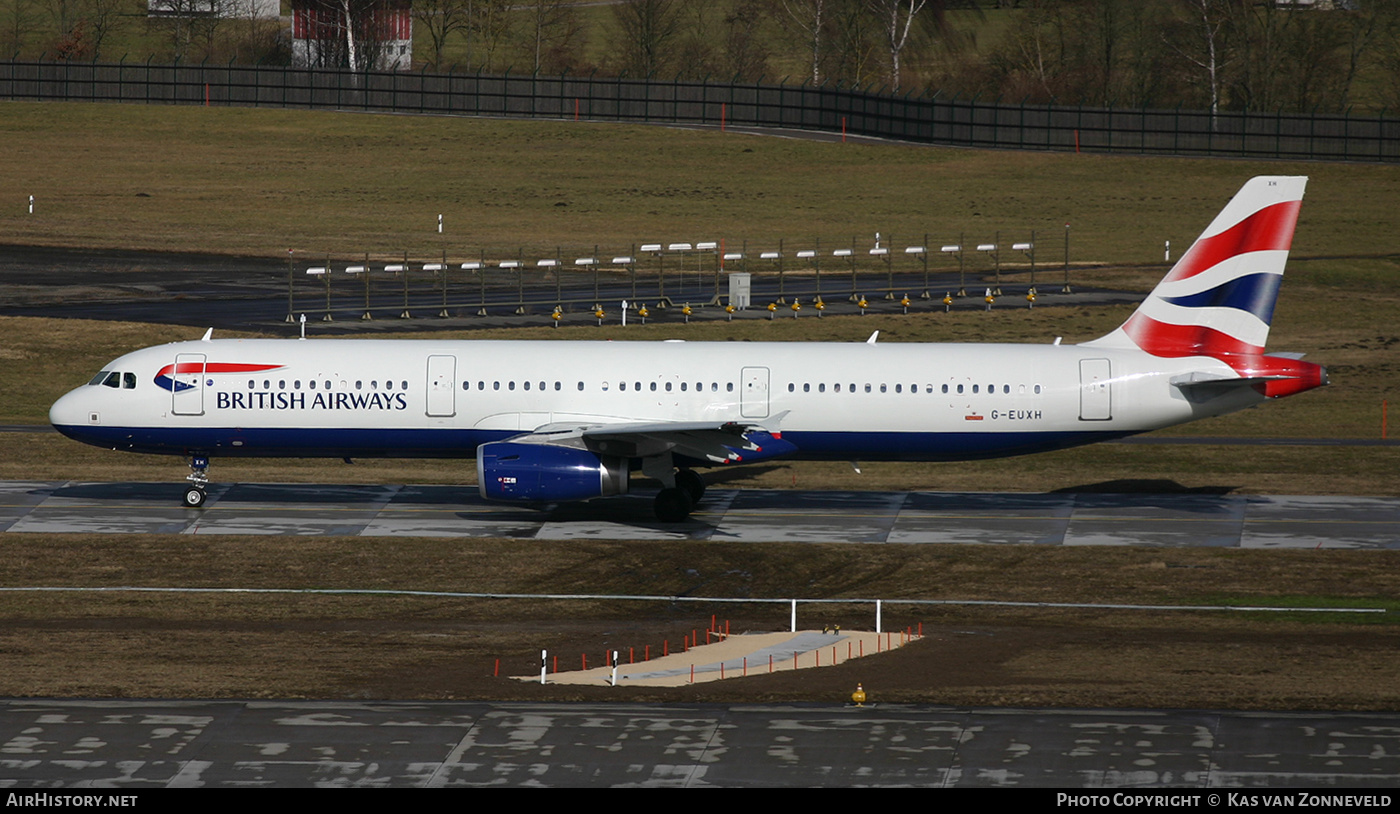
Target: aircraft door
(1095,390)
(753,395)
(442,395)
(187,384)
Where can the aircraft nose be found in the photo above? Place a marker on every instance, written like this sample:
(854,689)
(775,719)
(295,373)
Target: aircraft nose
(71,410)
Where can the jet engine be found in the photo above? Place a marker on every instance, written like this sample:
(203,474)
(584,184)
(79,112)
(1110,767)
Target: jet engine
(515,471)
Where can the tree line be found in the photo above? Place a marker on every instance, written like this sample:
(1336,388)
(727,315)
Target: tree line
(1261,55)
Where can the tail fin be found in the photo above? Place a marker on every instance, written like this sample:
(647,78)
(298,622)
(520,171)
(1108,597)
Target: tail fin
(1218,300)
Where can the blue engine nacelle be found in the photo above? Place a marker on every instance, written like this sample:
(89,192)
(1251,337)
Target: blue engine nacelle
(513,471)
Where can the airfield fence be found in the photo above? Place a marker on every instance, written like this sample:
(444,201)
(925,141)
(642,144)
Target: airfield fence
(927,117)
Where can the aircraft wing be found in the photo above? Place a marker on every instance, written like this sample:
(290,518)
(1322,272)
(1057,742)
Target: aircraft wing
(709,442)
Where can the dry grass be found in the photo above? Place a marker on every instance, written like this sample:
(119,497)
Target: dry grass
(385,646)
(261,181)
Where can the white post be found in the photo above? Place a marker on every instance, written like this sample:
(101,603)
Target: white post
(1167,253)
(31,204)
(879,608)
(624,313)
(544,663)
(792,623)
(439,224)
(614,668)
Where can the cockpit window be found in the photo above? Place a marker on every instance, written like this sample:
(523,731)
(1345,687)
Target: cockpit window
(112,379)
(128,381)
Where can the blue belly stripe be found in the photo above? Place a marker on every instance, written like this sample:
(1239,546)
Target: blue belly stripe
(462,443)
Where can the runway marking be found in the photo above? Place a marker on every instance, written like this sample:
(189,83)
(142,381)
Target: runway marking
(903,518)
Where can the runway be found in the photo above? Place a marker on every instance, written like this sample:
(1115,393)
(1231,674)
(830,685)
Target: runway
(133,745)
(739,515)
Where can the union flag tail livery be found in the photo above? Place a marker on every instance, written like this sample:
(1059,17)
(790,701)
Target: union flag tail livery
(550,421)
(1218,300)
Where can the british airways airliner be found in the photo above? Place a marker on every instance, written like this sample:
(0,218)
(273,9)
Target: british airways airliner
(564,421)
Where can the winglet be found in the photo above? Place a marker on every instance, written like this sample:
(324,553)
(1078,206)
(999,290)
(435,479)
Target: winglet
(871,340)
(207,335)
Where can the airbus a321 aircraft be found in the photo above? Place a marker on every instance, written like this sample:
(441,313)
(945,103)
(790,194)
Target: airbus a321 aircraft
(552,421)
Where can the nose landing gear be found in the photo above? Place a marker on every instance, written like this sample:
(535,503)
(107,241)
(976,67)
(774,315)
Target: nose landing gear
(198,478)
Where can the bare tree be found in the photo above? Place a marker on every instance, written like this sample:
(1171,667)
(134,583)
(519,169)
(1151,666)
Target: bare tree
(190,26)
(649,28)
(553,24)
(745,54)
(896,21)
(441,19)
(19,19)
(103,18)
(1204,44)
(854,41)
(810,18)
(489,23)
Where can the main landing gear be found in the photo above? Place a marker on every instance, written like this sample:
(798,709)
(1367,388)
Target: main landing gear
(675,503)
(198,478)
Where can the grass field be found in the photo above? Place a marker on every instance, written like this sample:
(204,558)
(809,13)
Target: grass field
(259,182)
(250,645)
(262,181)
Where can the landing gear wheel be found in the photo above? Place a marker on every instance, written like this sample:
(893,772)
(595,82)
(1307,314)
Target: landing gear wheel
(673,505)
(689,481)
(194,497)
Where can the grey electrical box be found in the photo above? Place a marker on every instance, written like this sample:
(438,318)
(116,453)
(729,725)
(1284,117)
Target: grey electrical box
(739,289)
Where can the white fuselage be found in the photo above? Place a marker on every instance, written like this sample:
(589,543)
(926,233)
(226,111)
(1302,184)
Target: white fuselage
(442,398)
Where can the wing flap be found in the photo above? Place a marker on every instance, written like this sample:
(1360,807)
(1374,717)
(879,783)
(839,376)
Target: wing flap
(710,442)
